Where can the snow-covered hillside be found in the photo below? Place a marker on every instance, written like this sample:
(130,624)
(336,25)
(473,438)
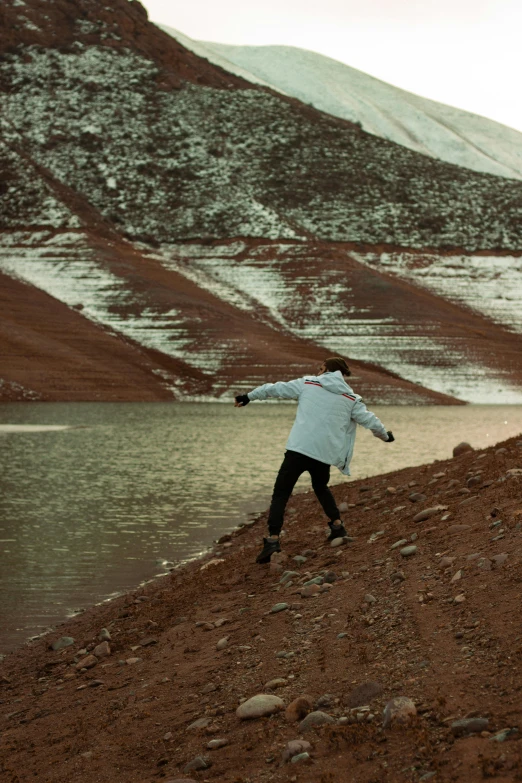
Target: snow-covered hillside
(422,125)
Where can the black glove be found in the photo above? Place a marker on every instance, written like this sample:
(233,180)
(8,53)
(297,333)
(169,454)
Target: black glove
(243,399)
(390,437)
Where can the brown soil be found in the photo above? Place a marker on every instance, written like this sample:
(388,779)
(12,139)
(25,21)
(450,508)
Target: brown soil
(129,721)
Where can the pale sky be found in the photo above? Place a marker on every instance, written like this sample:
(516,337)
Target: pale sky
(466,53)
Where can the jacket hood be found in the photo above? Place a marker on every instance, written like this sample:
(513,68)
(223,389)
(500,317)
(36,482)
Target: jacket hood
(334,382)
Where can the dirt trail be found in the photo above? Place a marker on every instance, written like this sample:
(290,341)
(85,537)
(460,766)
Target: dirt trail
(128,718)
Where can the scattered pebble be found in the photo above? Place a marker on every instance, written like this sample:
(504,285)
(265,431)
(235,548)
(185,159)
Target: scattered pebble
(198,763)
(278,608)
(408,551)
(87,663)
(465,726)
(400,711)
(259,706)
(314,719)
(399,543)
(462,448)
(222,643)
(298,709)
(427,513)
(62,643)
(201,723)
(102,650)
(278,682)
(217,743)
(295,748)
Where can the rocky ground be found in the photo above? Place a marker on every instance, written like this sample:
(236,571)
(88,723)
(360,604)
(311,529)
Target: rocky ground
(393,656)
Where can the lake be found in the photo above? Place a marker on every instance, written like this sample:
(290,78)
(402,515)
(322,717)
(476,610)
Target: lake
(96,497)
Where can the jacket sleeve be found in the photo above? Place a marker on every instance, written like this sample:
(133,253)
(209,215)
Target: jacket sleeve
(366,418)
(286,390)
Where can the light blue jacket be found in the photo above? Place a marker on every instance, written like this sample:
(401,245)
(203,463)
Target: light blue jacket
(328,412)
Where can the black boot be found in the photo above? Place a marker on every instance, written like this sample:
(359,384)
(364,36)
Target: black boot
(270,545)
(336,531)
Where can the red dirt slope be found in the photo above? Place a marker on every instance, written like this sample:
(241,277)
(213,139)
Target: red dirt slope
(441,627)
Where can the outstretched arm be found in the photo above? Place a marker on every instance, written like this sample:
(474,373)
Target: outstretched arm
(286,390)
(366,418)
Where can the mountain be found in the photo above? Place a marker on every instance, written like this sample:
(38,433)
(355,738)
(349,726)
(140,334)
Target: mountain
(168,229)
(432,128)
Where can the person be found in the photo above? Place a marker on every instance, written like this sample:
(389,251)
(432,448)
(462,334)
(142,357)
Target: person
(323,434)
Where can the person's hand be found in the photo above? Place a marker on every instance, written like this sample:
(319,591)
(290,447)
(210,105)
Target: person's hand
(241,400)
(390,437)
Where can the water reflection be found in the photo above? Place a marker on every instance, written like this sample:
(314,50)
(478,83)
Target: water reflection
(93,495)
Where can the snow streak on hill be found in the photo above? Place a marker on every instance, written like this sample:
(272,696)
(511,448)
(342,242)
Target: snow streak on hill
(432,128)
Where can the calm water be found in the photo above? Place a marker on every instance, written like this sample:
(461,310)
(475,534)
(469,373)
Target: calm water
(94,496)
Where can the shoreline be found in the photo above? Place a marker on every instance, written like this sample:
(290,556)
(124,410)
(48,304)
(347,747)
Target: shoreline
(377,617)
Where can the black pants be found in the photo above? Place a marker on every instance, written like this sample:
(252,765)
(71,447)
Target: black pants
(294,464)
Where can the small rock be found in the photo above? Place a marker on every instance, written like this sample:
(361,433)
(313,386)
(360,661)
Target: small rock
(399,543)
(317,580)
(469,501)
(330,577)
(314,719)
(474,481)
(417,497)
(104,635)
(503,735)
(95,683)
(299,757)
(309,591)
(343,506)
(102,650)
(484,564)
(259,706)
(391,491)
(514,472)
(399,711)
(294,748)
(408,551)
(150,641)
(465,726)
(326,700)
(217,743)
(459,599)
(300,559)
(370,599)
(456,577)
(342,635)
(446,562)
(198,763)
(499,560)
(87,663)
(337,542)
(278,608)
(62,642)
(427,513)
(298,708)
(462,448)
(278,682)
(132,661)
(458,528)
(222,643)
(287,575)
(398,576)
(200,723)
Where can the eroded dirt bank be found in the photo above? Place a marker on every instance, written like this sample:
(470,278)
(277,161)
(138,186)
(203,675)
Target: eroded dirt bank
(441,626)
